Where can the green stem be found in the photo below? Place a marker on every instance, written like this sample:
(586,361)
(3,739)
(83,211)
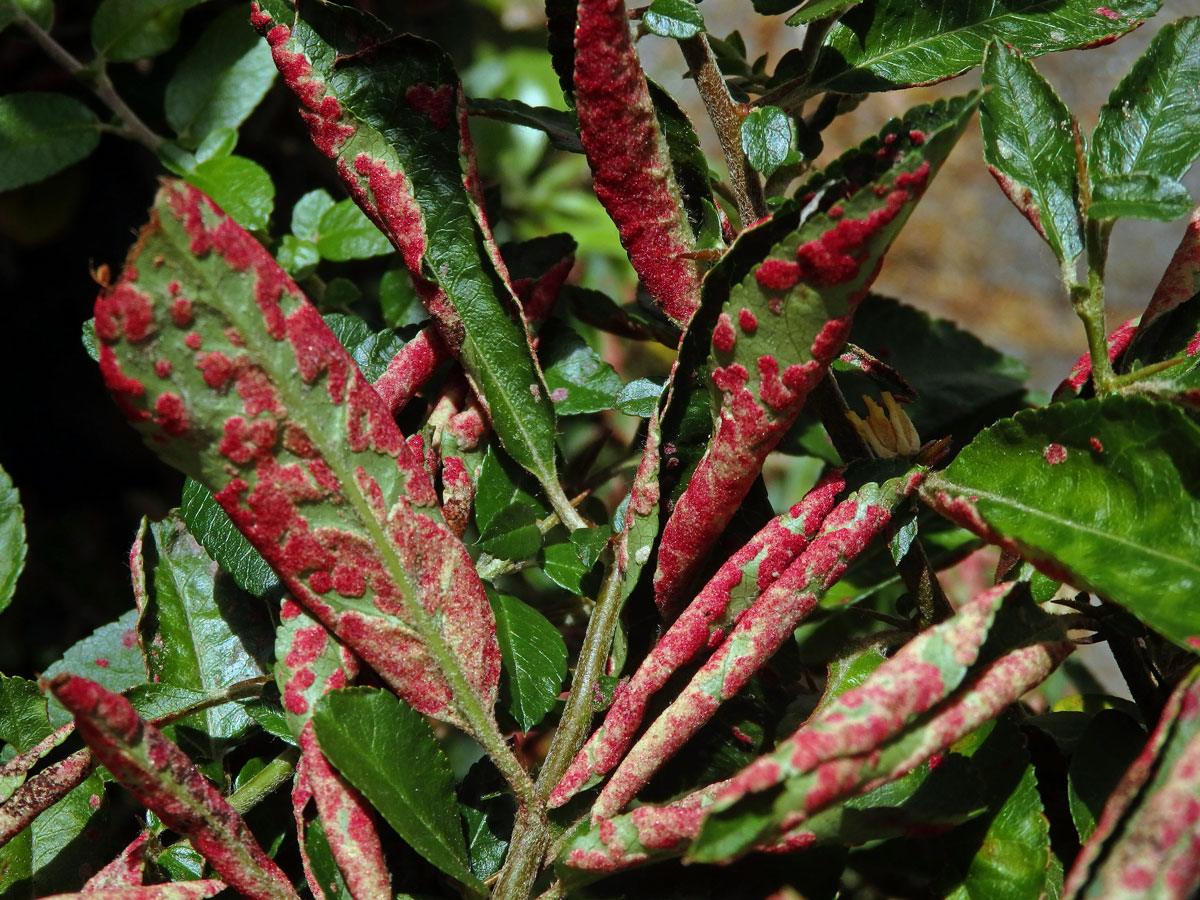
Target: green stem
(562,506)
(793,94)
(1145,372)
(242,690)
(532,834)
(727,120)
(274,774)
(95,77)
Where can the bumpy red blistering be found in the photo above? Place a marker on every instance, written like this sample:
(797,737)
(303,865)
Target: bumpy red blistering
(193,341)
(124,309)
(1054,454)
(410,369)
(748,321)
(458,493)
(163,368)
(216,368)
(1107,13)
(774,547)
(170,414)
(123,387)
(837,256)
(631,169)
(437,103)
(778,274)
(723,334)
(397,210)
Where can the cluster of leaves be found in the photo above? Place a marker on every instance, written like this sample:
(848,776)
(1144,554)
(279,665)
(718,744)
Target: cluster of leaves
(507,621)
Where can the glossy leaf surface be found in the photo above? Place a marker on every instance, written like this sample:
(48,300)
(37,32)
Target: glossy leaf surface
(766,138)
(882,45)
(109,656)
(42,133)
(212,527)
(1139,196)
(534,658)
(1151,123)
(311,469)
(1101,493)
(388,751)
(1029,146)
(673,18)
(12,539)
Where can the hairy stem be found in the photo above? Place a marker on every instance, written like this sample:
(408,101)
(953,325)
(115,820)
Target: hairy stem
(273,775)
(96,78)
(727,119)
(531,833)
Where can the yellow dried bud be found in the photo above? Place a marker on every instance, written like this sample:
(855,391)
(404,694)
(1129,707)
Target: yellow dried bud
(888,434)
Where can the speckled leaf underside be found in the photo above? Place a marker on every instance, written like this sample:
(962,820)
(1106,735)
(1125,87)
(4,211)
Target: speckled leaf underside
(783,323)
(390,111)
(232,377)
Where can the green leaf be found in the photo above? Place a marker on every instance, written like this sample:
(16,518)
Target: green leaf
(42,133)
(241,187)
(388,751)
(639,398)
(211,526)
(195,635)
(1109,746)
(307,213)
(320,859)
(220,81)
(109,656)
(882,45)
(500,492)
(1029,145)
(486,849)
(42,14)
(60,840)
(511,534)
(296,257)
(559,126)
(371,350)
(411,143)
(673,18)
(398,300)
(1151,122)
(12,539)
(535,660)
(346,233)
(1100,493)
(1139,196)
(217,144)
(23,718)
(815,9)
(767,138)
(579,379)
(126,30)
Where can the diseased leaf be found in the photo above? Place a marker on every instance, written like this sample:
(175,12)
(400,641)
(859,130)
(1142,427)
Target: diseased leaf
(344,232)
(778,308)
(1029,145)
(200,889)
(12,539)
(673,18)
(42,133)
(188,628)
(239,186)
(767,138)
(745,577)
(163,779)
(1144,844)
(1151,122)
(1098,493)
(629,159)
(388,752)
(203,352)
(1139,196)
(882,45)
(212,527)
(1109,746)
(535,660)
(321,863)
(126,30)
(110,656)
(579,379)
(220,81)
(403,163)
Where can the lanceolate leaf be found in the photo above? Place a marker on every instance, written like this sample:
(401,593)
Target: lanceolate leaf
(776,323)
(631,165)
(162,778)
(408,165)
(886,44)
(203,339)
(309,662)
(857,749)
(211,526)
(814,9)
(12,539)
(199,889)
(735,587)
(1150,850)
(759,632)
(45,789)
(1029,145)
(1138,196)
(1098,493)
(390,754)
(1151,122)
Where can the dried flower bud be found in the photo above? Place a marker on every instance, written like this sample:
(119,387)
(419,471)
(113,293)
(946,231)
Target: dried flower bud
(888,434)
